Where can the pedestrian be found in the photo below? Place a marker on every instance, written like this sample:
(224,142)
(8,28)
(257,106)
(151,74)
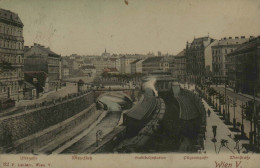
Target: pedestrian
(214,129)
(209,113)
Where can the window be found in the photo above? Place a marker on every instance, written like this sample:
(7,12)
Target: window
(225,50)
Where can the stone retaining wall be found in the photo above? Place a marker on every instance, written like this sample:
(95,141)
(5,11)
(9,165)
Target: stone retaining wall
(50,138)
(23,124)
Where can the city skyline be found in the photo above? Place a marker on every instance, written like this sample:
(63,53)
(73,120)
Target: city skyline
(88,27)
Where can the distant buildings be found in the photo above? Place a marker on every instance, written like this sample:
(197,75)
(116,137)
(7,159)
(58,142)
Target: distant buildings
(112,71)
(137,66)
(65,68)
(39,80)
(105,54)
(153,64)
(243,67)
(90,70)
(125,62)
(104,62)
(11,55)
(198,56)
(219,53)
(40,58)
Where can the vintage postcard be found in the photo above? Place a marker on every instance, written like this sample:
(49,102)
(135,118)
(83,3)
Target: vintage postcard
(129,83)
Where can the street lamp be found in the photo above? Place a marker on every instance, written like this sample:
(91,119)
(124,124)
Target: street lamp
(242,115)
(228,112)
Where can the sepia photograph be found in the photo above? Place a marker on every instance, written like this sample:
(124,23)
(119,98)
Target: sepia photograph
(130,83)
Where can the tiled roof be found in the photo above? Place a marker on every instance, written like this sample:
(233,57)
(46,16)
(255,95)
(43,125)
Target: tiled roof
(10,16)
(182,53)
(198,42)
(253,43)
(136,61)
(231,42)
(153,59)
(47,50)
(110,69)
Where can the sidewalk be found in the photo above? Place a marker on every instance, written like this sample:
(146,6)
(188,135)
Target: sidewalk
(240,99)
(223,132)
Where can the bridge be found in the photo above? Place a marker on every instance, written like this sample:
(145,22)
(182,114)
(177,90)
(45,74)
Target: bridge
(164,83)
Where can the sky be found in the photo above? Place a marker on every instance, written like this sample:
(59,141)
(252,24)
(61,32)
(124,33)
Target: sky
(87,27)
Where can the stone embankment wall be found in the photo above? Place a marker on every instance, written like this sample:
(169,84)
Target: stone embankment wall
(47,114)
(51,138)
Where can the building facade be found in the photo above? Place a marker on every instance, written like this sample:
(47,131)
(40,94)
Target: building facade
(40,58)
(125,62)
(136,66)
(198,56)
(11,55)
(103,62)
(219,53)
(153,64)
(243,67)
(180,66)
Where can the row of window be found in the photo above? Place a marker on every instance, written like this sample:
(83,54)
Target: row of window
(198,53)
(10,74)
(11,30)
(53,61)
(226,51)
(11,44)
(216,59)
(13,59)
(13,86)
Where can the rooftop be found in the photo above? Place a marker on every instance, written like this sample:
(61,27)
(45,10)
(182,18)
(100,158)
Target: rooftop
(230,41)
(153,59)
(143,109)
(251,44)
(136,61)
(182,53)
(47,50)
(10,16)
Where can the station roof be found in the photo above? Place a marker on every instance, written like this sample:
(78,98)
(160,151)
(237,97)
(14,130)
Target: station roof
(143,109)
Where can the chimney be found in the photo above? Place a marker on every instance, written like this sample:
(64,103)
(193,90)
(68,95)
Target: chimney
(242,37)
(225,38)
(230,37)
(251,36)
(34,44)
(236,37)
